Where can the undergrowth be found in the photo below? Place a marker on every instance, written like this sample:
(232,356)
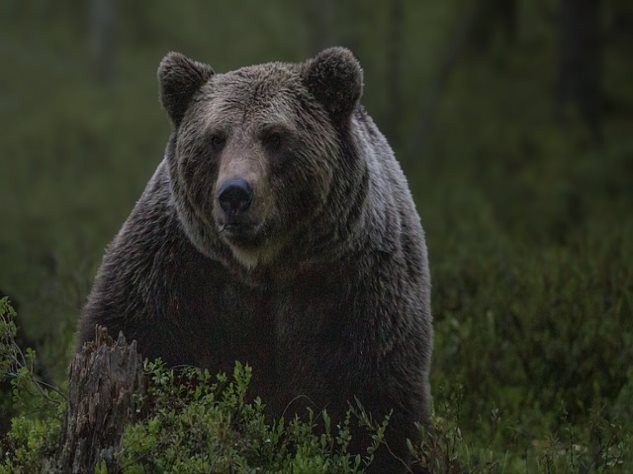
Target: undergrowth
(190,421)
(187,421)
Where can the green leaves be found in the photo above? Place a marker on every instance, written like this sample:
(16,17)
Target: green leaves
(194,423)
(187,421)
(34,432)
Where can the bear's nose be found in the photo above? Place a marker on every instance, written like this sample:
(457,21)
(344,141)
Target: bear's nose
(235,196)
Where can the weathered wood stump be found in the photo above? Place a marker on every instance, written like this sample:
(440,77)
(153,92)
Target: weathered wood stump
(103,377)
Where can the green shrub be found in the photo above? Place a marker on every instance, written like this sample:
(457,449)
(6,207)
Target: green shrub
(192,422)
(35,430)
(186,422)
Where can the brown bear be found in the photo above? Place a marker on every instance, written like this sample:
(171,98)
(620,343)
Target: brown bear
(279,231)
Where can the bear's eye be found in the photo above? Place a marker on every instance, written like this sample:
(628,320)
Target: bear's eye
(273,140)
(217,142)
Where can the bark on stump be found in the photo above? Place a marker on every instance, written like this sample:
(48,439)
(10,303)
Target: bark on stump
(103,377)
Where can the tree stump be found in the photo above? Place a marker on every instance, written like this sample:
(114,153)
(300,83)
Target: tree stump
(103,377)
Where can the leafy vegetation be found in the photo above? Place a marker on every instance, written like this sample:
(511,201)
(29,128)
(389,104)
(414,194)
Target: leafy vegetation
(34,431)
(187,421)
(192,422)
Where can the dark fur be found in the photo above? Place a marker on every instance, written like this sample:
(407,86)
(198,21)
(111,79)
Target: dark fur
(329,298)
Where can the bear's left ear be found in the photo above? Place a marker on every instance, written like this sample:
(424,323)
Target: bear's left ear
(335,78)
(179,79)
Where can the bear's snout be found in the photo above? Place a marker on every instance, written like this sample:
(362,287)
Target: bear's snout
(235,197)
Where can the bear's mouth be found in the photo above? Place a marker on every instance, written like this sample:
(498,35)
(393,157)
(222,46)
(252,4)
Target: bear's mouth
(240,233)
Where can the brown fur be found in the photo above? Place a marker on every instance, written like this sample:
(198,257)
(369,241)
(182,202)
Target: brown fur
(326,294)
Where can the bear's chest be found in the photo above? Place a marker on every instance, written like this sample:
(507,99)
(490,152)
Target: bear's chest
(289,336)
(231,322)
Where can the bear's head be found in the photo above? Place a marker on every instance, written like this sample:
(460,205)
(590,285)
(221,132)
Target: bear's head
(256,154)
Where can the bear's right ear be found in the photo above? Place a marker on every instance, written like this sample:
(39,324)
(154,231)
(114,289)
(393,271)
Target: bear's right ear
(179,78)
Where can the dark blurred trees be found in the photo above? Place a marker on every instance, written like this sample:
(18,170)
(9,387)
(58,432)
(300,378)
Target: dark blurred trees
(381,34)
(394,46)
(580,46)
(491,17)
(460,76)
(580,73)
(103,41)
(470,21)
(321,23)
